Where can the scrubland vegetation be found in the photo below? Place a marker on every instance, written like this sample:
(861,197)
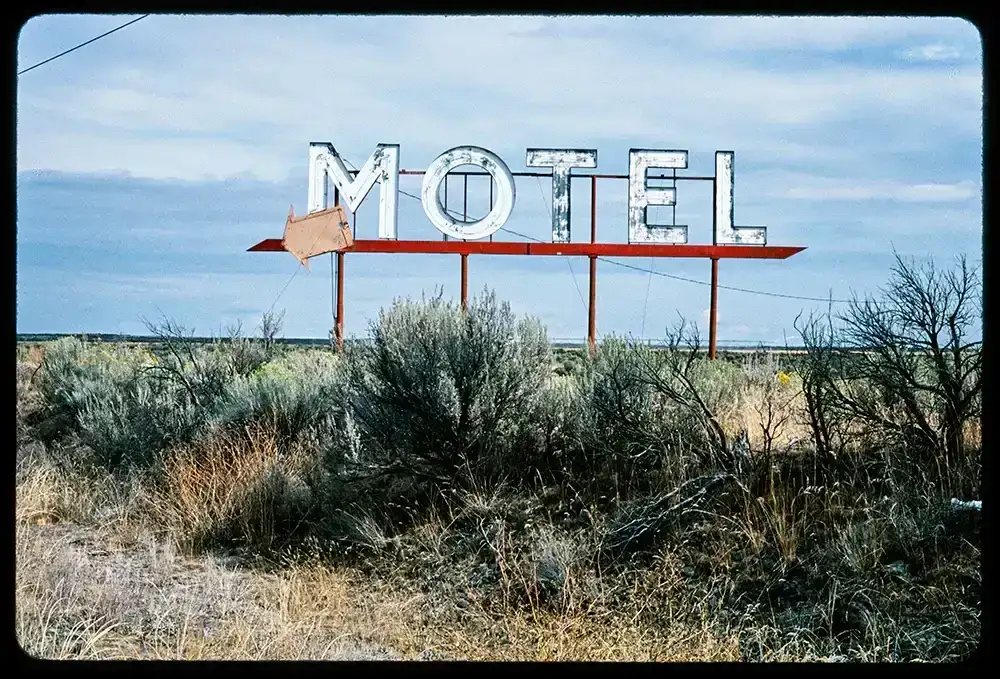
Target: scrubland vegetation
(454,488)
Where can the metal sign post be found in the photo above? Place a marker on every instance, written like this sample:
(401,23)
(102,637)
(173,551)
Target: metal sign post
(592,307)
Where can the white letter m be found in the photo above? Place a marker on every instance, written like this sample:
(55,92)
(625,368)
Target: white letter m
(382,167)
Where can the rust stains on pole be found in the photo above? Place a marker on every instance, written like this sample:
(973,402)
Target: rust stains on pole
(592,311)
(340,301)
(713,310)
(465,257)
(334,285)
(339,317)
(465,282)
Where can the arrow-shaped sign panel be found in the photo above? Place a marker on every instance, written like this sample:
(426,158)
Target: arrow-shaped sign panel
(317,233)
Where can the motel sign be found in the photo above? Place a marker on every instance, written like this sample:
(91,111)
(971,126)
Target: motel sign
(382,167)
(645,239)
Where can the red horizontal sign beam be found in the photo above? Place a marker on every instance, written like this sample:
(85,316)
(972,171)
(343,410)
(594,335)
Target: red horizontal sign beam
(453,247)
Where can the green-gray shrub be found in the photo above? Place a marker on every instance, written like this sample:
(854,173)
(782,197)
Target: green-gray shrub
(105,394)
(294,394)
(622,417)
(439,393)
(72,370)
(75,373)
(128,426)
(554,437)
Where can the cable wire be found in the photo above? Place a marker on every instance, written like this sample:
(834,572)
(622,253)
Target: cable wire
(690,280)
(579,292)
(829,300)
(82,44)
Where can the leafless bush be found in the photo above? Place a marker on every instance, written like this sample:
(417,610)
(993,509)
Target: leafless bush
(827,423)
(903,366)
(677,374)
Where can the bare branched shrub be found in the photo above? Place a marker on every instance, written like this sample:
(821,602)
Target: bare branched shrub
(768,393)
(127,404)
(243,355)
(204,371)
(827,423)
(681,374)
(650,417)
(905,367)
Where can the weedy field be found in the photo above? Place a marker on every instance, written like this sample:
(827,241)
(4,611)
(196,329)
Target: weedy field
(456,489)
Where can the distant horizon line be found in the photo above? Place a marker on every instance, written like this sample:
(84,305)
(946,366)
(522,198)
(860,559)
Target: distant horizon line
(558,342)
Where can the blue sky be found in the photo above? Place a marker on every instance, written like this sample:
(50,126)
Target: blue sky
(150,160)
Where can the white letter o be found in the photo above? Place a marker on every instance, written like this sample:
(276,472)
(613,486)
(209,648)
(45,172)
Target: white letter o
(445,163)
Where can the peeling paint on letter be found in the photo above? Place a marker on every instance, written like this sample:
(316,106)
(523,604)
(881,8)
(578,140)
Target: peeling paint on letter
(381,167)
(640,196)
(561,161)
(725,233)
(445,163)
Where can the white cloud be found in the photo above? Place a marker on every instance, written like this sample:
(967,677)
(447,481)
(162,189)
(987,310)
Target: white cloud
(933,53)
(906,193)
(826,33)
(249,98)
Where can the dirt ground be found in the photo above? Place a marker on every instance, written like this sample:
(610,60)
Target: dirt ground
(83,595)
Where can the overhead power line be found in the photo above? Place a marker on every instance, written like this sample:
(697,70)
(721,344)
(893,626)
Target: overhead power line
(82,44)
(728,287)
(663,273)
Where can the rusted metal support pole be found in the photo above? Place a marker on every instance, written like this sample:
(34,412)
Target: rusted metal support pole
(713,308)
(465,282)
(592,312)
(334,288)
(465,257)
(340,301)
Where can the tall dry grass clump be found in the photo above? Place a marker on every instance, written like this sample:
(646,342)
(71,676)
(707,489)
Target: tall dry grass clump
(234,488)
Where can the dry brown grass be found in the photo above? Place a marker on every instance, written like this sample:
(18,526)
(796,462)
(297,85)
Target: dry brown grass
(27,400)
(973,432)
(117,567)
(44,495)
(557,637)
(775,410)
(83,592)
(231,487)
(76,598)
